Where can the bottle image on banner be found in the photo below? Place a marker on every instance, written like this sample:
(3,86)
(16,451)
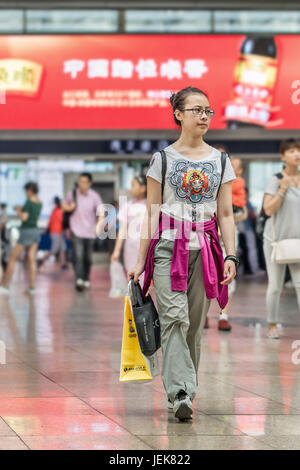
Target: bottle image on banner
(254,83)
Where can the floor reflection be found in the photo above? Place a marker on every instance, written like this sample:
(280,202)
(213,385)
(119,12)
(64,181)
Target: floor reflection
(60,389)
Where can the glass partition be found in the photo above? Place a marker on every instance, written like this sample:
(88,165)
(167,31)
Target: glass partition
(72,21)
(164,21)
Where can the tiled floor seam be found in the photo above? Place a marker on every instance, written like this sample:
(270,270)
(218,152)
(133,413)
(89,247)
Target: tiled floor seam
(16,435)
(87,355)
(115,422)
(255,393)
(262,441)
(221,420)
(48,378)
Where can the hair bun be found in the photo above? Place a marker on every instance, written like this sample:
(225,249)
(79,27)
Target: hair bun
(172,99)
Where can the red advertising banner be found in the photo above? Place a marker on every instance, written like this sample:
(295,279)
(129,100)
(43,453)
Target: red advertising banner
(124,81)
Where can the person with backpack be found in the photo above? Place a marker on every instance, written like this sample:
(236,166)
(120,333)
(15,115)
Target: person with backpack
(187,182)
(281,206)
(239,214)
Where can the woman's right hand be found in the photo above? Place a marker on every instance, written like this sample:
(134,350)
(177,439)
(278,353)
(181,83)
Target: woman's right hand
(135,273)
(284,183)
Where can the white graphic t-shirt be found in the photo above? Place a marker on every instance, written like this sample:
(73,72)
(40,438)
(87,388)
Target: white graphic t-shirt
(190,188)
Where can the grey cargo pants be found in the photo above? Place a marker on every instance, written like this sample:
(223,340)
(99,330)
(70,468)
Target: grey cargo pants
(182,317)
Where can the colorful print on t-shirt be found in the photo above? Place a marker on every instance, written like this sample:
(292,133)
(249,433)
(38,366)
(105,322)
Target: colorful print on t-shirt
(194,182)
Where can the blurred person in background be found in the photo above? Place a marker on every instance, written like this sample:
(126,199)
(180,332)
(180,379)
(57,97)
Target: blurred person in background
(58,243)
(113,224)
(29,238)
(3,217)
(3,237)
(131,216)
(82,225)
(239,197)
(246,230)
(239,214)
(281,204)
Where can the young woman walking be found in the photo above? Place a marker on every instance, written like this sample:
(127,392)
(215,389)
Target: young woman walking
(29,238)
(175,227)
(282,203)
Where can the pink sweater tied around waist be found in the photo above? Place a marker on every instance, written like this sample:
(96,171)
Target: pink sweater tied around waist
(211,253)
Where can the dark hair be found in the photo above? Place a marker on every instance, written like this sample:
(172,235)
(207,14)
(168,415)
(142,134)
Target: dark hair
(3,205)
(221,146)
(31,186)
(177,100)
(87,175)
(142,180)
(57,201)
(288,144)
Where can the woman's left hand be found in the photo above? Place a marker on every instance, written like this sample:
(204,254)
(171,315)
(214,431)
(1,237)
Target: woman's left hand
(229,272)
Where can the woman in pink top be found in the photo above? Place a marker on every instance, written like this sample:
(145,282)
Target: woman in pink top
(186,275)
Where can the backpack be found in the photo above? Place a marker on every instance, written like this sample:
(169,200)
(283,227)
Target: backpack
(263,217)
(67,215)
(164,168)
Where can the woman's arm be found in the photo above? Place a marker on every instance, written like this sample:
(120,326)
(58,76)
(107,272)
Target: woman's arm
(119,242)
(22,215)
(100,224)
(149,226)
(227,227)
(68,207)
(272,202)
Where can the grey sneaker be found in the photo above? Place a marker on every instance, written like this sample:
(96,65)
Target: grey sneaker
(183,407)
(170,405)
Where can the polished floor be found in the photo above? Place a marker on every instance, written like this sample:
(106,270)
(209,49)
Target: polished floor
(60,389)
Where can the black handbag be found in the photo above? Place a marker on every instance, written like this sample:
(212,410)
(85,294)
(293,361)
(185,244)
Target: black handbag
(146,319)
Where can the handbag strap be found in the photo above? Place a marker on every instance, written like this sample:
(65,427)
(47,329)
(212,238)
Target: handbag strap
(137,297)
(75,195)
(163,171)
(223,164)
(273,229)
(278,176)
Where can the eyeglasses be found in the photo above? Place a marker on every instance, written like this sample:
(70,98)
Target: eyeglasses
(199,111)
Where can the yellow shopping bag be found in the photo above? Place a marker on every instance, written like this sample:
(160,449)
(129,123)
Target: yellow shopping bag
(134,366)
